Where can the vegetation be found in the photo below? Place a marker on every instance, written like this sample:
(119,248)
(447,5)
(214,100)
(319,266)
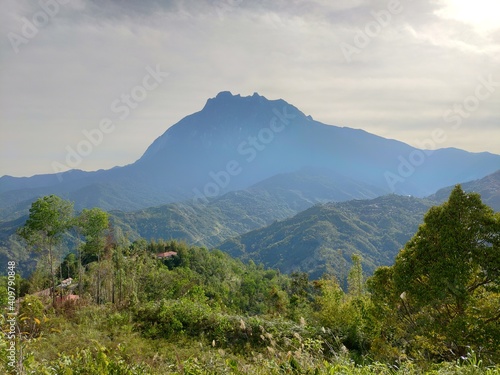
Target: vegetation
(328,235)
(444,285)
(49,218)
(163,307)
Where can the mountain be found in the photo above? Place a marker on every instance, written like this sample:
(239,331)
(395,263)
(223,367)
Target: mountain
(324,237)
(277,198)
(234,213)
(488,187)
(227,220)
(221,218)
(236,142)
(204,225)
(238,212)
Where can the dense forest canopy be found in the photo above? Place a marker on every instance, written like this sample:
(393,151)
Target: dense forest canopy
(113,306)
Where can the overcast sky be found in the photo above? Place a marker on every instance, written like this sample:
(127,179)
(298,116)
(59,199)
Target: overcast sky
(399,69)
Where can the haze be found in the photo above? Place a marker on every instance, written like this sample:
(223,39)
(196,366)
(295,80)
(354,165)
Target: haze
(399,69)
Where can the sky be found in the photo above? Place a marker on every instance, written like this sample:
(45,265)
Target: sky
(91,84)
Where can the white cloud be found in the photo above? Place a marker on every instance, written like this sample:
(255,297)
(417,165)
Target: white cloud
(482,15)
(65,78)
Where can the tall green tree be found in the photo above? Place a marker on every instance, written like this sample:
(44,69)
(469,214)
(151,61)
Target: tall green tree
(355,282)
(50,217)
(446,281)
(93,224)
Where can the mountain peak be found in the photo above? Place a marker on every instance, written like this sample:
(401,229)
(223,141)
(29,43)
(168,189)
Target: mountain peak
(227,97)
(225,94)
(236,141)
(234,106)
(229,94)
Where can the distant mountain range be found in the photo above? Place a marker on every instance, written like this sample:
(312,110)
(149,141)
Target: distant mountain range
(237,142)
(234,213)
(282,223)
(387,222)
(324,237)
(488,187)
(265,182)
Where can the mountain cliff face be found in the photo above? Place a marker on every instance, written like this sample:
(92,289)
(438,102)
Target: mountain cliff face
(235,142)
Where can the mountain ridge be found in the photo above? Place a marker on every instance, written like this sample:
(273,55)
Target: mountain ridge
(235,142)
(227,219)
(327,235)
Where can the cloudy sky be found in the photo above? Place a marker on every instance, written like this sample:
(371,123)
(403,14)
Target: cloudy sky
(399,69)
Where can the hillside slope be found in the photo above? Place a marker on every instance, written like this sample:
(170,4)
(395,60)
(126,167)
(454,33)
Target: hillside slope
(488,187)
(327,235)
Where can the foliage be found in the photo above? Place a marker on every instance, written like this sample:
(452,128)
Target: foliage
(355,277)
(31,317)
(92,223)
(325,237)
(444,286)
(347,317)
(97,360)
(50,217)
(198,311)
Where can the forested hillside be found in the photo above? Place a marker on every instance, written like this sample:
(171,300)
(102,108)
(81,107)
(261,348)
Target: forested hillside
(212,222)
(209,222)
(488,187)
(325,236)
(164,307)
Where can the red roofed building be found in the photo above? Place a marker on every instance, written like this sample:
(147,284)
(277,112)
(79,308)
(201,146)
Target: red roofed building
(166,255)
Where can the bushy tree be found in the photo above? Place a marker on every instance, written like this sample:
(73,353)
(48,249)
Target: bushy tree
(355,280)
(348,316)
(445,283)
(50,217)
(93,224)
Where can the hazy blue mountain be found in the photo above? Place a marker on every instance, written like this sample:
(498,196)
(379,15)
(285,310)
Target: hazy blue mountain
(236,142)
(238,212)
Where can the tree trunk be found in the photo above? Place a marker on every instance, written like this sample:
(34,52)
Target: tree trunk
(51,261)
(98,280)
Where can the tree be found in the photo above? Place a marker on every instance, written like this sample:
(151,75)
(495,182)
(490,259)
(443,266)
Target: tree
(446,281)
(50,217)
(92,224)
(355,280)
(69,267)
(347,315)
